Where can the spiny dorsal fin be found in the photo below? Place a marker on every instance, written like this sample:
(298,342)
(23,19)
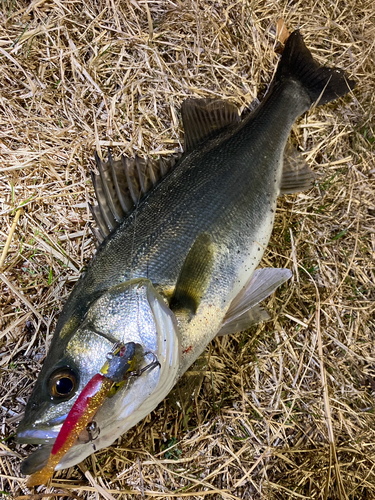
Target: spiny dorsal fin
(202,117)
(297,175)
(120,185)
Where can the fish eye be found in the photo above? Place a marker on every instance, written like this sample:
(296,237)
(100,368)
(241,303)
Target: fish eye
(62,383)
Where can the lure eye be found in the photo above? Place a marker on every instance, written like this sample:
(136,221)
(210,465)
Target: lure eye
(62,383)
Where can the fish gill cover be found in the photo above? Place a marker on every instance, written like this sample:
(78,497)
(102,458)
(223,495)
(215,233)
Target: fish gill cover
(75,77)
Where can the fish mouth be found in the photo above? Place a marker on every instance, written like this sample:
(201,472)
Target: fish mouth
(39,457)
(34,436)
(36,460)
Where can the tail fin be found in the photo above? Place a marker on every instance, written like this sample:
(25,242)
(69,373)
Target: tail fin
(322,84)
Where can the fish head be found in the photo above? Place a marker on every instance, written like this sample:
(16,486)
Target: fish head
(130,312)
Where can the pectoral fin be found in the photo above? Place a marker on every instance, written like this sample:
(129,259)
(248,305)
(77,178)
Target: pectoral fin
(195,275)
(245,310)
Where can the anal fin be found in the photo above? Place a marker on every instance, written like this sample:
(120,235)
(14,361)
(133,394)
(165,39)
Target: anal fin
(297,175)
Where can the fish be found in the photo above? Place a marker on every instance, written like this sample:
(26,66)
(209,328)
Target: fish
(177,263)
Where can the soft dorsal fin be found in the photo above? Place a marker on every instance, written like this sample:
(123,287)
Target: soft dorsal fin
(120,185)
(202,117)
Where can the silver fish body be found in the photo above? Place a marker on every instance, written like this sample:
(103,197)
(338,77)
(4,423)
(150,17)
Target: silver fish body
(197,237)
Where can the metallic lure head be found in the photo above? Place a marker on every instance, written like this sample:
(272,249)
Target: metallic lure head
(130,312)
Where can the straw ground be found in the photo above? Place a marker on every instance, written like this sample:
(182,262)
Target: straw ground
(286,410)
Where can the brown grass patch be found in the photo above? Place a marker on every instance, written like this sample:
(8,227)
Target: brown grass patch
(286,410)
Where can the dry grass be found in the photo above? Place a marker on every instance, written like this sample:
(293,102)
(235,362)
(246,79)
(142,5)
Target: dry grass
(287,409)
